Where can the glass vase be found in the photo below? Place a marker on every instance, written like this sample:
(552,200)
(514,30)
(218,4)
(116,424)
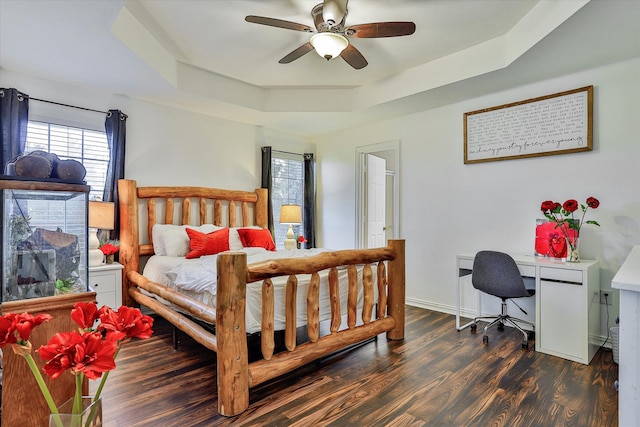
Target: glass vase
(573,254)
(109,259)
(90,416)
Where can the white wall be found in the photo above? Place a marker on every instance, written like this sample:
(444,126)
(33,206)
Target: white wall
(165,146)
(448,207)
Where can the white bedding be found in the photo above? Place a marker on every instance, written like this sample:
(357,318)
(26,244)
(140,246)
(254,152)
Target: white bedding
(197,279)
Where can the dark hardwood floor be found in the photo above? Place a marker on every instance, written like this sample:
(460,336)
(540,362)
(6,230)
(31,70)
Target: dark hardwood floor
(436,376)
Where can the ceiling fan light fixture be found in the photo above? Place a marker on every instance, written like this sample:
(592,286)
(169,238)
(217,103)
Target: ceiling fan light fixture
(329,45)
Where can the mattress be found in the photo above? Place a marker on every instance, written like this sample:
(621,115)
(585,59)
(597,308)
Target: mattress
(196,278)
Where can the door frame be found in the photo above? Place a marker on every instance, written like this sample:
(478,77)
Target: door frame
(361,187)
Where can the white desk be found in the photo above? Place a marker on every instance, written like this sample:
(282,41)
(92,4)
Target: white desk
(627,279)
(567,304)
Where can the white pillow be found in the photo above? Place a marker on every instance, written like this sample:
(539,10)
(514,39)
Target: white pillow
(235,244)
(173,240)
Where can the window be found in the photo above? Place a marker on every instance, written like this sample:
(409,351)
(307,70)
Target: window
(287,174)
(89,147)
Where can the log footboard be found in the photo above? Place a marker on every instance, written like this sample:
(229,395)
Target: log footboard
(235,374)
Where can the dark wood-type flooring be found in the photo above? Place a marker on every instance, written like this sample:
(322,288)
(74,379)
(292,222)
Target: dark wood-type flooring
(436,376)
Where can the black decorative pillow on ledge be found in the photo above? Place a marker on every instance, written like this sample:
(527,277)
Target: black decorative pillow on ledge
(44,166)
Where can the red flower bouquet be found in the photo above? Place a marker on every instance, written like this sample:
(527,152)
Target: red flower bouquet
(559,237)
(110,247)
(88,352)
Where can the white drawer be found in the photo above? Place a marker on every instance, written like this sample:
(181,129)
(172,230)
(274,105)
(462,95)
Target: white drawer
(561,274)
(103,282)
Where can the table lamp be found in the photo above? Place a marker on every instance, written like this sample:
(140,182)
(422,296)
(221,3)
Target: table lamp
(290,214)
(101,217)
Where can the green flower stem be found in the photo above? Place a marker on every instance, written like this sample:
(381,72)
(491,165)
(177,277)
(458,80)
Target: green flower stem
(77,398)
(43,387)
(103,380)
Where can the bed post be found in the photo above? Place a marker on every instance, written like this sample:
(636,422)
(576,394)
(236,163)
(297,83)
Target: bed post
(129,238)
(262,208)
(396,290)
(233,364)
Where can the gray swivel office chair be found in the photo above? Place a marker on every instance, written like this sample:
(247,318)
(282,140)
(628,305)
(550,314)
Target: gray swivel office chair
(496,273)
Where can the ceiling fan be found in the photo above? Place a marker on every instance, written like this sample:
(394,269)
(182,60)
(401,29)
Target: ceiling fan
(330,36)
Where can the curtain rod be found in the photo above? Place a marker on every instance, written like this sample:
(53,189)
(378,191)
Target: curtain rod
(67,105)
(288,152)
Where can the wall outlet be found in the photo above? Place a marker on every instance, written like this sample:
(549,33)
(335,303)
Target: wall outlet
(608,299)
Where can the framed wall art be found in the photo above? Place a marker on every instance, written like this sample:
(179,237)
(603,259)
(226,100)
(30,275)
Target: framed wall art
(554,124)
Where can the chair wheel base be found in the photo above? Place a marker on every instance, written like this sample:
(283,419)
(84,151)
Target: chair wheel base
(485,339)
(525,345)
(500,326)
(474,328)
(531,335)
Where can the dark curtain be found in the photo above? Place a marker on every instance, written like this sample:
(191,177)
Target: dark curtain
(309,200)
(14,112)
(267,183)
(116,128)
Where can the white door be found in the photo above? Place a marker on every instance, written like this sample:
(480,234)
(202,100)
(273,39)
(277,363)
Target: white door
(389,213)
(376,196)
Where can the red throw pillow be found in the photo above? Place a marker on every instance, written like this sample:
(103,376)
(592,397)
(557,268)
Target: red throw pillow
(256,238)
(207,244)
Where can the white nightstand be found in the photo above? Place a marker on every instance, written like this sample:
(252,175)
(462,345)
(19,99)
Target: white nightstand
(106,281)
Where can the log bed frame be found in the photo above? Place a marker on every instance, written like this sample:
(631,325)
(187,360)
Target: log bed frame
(235,375)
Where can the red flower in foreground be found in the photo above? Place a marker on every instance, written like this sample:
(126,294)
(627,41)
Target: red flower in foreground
(7,328)
(85,314)
(126,323)
(87,353)
(60,353)
(95,356)
(25,323)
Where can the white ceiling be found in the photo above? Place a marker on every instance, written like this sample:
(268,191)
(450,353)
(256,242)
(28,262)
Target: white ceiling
(202,56)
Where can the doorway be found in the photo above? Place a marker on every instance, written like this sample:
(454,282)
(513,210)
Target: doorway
(377,203)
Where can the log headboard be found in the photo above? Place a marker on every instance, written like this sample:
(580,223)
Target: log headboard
(142,207)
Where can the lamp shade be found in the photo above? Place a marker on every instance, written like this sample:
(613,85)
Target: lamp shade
(329,45)
(290,214)
(101,215)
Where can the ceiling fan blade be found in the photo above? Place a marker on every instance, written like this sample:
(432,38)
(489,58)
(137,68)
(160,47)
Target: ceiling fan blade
(272,22)
(334,10)
(305,48)
(353,57)
(380,29)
